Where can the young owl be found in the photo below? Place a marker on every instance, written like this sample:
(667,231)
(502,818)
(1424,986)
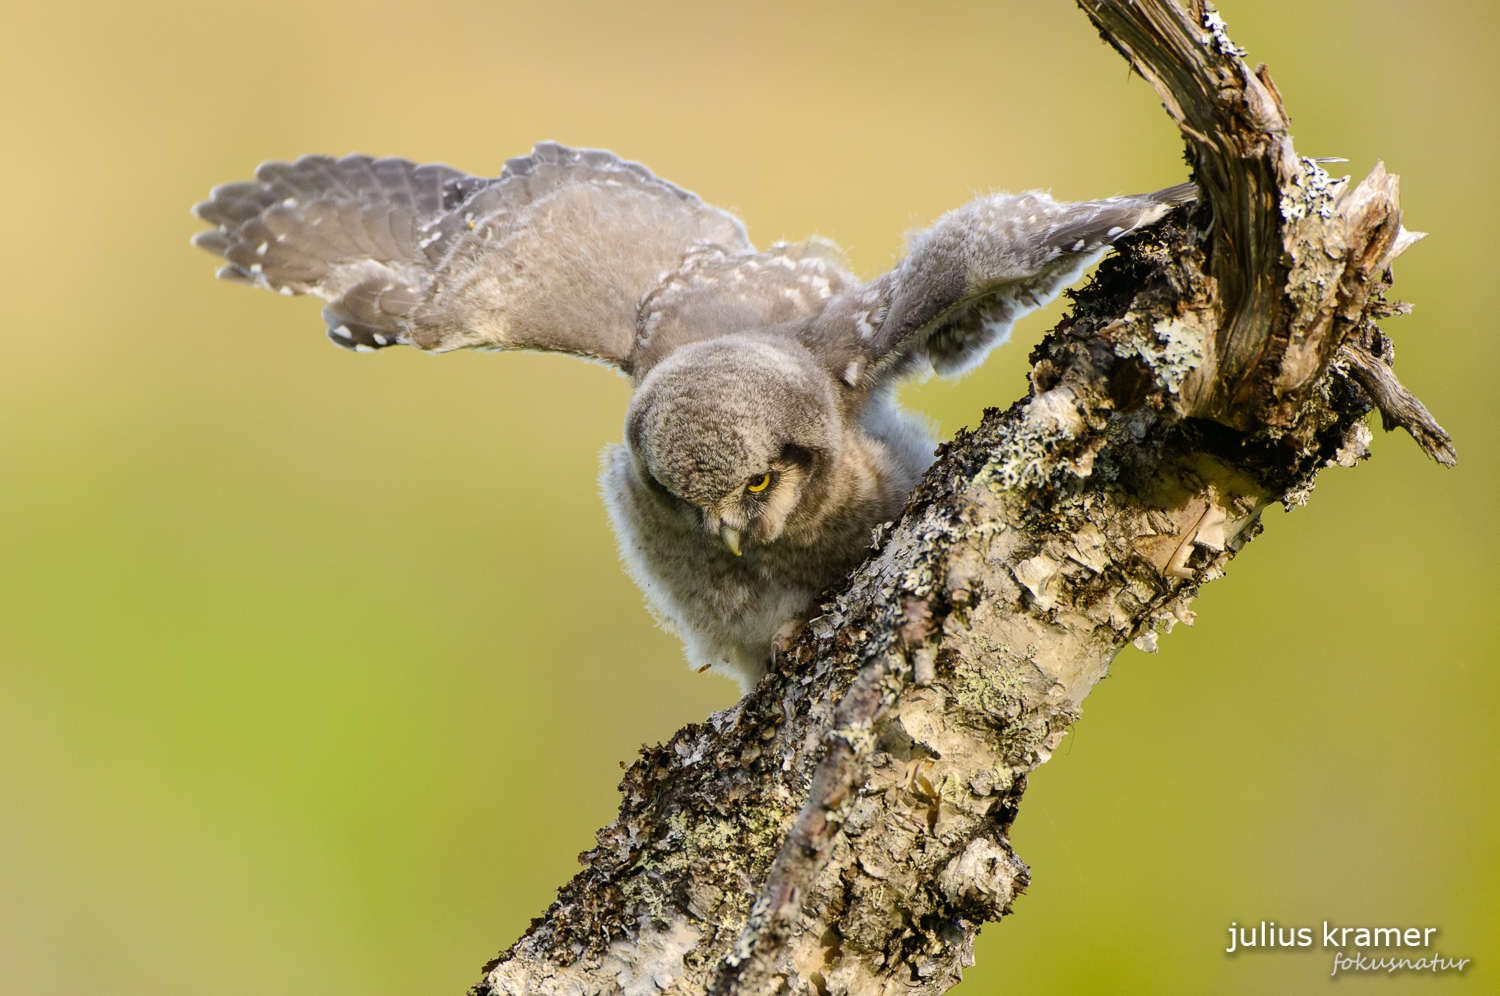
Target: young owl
(762,445)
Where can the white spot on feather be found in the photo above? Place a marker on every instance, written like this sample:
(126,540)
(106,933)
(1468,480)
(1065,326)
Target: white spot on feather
(289,202)
(1114,231)
(260,250)
(360,347)
(343,332)
(852,372)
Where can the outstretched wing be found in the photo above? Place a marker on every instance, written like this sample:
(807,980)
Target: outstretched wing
(968,278)
(555,253)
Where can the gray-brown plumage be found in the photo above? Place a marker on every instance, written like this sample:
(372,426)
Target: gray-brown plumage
(762,444)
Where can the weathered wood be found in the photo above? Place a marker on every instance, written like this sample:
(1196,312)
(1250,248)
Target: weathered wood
(843,829)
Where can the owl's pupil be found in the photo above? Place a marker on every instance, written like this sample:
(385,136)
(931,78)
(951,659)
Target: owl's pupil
(760,484)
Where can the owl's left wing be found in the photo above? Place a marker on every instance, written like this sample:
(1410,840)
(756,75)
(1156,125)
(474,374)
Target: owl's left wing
(556,253)
(968,278)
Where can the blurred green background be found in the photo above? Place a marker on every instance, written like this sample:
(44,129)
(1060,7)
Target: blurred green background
(315,668)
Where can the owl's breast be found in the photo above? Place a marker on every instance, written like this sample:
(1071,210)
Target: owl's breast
(694,584)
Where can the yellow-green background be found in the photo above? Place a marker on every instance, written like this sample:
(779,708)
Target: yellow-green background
(315,668)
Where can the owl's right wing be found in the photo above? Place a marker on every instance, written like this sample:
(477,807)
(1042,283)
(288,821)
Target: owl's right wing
(556,253)
(969,277)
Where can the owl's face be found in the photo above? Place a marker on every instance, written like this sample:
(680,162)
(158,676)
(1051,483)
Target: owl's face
(737,429)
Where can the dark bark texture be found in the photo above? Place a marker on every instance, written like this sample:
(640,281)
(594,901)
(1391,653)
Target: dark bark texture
(843,829)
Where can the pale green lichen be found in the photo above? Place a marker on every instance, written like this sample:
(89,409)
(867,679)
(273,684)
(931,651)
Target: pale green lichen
(1022,458)
(1174,350)
(1181,354)
(1218,35)
(994,682)
(1312,192)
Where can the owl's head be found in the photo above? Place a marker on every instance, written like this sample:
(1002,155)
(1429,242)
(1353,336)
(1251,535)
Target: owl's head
(741,429)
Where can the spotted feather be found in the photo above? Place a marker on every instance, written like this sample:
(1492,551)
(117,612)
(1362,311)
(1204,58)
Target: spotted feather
(435,258)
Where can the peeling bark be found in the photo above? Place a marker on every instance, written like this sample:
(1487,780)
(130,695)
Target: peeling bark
(843,829)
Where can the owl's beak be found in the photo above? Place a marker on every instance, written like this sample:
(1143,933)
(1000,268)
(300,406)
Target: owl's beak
(731,538)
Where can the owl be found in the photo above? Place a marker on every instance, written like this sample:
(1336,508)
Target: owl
(762,444)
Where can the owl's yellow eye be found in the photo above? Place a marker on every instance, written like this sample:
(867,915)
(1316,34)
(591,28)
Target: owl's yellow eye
(759,484)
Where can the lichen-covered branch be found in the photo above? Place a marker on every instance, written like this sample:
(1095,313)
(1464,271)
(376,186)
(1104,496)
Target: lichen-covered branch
(843,829)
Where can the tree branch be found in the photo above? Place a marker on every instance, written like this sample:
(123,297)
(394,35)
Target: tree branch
(843,829)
